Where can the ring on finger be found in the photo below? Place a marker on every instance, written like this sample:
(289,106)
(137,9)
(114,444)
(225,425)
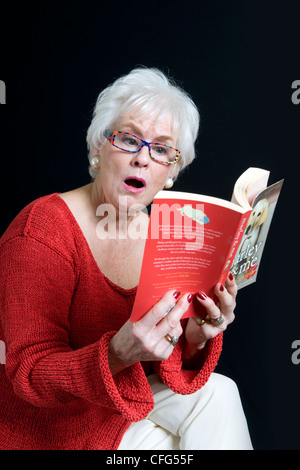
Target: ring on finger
(200,321)
(172,339)
(218,321)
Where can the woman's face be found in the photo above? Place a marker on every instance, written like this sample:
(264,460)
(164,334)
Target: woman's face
(134,175)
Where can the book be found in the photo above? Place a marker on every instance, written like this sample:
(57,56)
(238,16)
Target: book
(194,241)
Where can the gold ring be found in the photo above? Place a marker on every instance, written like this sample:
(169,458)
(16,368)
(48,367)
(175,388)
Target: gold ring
(200,322)
(172,339)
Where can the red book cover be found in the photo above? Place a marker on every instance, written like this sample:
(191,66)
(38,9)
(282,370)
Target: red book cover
(190,246)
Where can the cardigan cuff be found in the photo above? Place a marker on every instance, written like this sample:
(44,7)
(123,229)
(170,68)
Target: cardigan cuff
(183,381)
(128,390)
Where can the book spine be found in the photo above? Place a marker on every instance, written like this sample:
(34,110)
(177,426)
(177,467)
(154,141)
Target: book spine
(234,246)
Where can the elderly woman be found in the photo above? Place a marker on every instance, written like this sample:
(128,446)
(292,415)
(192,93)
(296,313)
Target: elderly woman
(78,373)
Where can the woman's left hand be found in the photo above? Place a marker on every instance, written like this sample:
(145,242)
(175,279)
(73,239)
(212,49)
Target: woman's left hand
(219,315)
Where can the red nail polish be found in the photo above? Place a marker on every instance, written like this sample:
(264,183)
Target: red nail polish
(190,298)
(221,288)
(230,275)
(176,294)
(201,295)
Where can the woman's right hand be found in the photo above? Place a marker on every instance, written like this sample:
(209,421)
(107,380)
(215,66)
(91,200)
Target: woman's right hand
(145,340)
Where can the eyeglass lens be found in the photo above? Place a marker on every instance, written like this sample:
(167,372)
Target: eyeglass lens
(132,143)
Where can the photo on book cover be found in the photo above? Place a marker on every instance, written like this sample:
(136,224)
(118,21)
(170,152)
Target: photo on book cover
(249,253)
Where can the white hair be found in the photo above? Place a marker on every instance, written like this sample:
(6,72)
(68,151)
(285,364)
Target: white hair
(146,91)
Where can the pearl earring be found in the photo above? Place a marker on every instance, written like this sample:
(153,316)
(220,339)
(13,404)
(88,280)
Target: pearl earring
(169,183)
(95,162)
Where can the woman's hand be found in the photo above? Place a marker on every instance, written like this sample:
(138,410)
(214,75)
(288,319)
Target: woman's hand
(145,340)
(219,316)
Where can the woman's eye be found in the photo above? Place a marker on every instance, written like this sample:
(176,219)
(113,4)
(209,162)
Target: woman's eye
(130,141)
(161,150)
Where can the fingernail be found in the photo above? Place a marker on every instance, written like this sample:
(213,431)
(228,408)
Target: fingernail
(190,298)
(221,288)
(176,294)
(230,275)
(201,295)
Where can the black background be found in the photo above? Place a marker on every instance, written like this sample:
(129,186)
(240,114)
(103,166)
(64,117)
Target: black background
(238,60)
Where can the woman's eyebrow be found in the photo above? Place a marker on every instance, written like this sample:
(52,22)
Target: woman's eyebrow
(132,128)
(139,133)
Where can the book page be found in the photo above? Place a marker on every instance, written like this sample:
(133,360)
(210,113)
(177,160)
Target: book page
(249,185)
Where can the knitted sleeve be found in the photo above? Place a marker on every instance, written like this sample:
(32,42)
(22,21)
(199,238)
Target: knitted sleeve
(184,381)
(36,288)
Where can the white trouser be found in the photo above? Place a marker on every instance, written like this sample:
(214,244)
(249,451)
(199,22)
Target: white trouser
(210,419)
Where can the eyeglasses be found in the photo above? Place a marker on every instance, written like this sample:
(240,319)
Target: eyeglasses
(160,153)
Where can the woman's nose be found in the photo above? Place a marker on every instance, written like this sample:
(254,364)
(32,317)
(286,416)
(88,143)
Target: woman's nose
(141,158)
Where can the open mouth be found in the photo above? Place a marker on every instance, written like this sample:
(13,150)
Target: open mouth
(134,184)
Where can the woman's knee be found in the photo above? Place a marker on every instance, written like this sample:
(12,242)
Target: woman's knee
(222,385)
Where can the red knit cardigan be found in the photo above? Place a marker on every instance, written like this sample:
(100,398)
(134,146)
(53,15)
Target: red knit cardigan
(58,313)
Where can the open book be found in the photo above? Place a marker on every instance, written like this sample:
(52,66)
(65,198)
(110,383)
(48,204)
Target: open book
(194,240)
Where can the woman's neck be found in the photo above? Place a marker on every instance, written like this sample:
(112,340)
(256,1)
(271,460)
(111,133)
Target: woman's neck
(121,222)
